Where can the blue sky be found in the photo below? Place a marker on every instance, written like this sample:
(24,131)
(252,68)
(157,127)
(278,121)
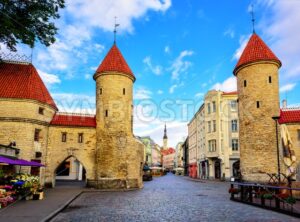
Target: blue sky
(177,49)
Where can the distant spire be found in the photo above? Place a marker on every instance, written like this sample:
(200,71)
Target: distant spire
(253,18)
(115,30)
(165,132)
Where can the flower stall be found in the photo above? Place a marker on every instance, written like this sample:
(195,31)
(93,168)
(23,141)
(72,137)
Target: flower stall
(15,186)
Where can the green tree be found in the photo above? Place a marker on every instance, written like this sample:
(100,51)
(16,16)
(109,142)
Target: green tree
(27,21)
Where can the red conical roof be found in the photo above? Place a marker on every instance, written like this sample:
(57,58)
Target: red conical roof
(22,81)
(256,50)
(114,61)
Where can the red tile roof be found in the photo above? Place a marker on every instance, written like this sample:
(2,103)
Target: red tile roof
(22,81)
(114,61)
(168,151)
(256,50)
(63,119)
(289,116)
(230,93)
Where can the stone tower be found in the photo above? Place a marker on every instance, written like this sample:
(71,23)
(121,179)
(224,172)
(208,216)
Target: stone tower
(119,155)
(165,139)
(258,99)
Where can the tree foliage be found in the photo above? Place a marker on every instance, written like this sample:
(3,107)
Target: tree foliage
(27,21)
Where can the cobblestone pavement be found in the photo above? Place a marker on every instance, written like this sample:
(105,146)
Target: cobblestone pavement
(169,198)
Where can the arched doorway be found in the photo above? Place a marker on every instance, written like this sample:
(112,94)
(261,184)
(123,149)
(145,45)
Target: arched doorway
(70,172)
(236,169)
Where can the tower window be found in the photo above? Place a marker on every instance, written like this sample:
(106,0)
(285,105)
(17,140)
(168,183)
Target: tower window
(80,137)
(106,113)
(37,135)
(270,79)
(245,83)
(123,91)
(41,110)
(100,91)
(257,104)
(64,137)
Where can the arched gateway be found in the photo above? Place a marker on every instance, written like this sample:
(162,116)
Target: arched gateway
(103,143)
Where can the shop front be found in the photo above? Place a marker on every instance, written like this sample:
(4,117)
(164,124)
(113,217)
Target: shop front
(13,184)
(193,170)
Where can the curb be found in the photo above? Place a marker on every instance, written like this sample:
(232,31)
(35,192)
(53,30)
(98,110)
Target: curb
(64,206)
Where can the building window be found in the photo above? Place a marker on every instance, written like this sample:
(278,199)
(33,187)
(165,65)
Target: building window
(100,91)
(234,125)
(214,106)
(64,137)
(214,126)
(80,137)
(41,110)
(298,134)
(208,108)
(233,105)
(37,135)
(124,91)
(106,113)
(245,83)
(212,145)
(257,104)
(270,79)
(209,126)
(235,144)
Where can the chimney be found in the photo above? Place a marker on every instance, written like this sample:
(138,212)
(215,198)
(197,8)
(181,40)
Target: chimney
(284,104)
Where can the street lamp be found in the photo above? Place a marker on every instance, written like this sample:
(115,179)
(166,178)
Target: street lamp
(276,118)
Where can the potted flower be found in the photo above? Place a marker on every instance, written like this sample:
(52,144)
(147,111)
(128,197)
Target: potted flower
(233,190)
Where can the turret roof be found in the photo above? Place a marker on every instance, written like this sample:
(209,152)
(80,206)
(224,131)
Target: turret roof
(22,81)
(114,61)
(256,50)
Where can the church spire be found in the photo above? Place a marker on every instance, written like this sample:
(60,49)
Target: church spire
(165,132)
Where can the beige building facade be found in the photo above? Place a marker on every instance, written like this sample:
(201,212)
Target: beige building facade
(215,137)
(101,147)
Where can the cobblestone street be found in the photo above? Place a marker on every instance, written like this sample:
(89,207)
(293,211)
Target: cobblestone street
(169,198)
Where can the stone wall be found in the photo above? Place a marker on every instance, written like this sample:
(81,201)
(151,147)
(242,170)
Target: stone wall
(119,155)
(257,128)
(293,129)
(18,121)
(58,151)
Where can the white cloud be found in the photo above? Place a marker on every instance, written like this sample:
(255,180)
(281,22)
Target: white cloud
(179,65)
(230,33)
(243,42)
(287,87)
(176,131)
(172,88)
(281,28)
(157,70)
(126,11)
(49,79)
(198,95)
(142,93)
(228,85)
(167,49)
(75,103)
(77,27)
(159,92)
(87,76)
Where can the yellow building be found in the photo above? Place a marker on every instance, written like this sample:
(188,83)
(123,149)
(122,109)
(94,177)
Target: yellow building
(103,145)
(213,132)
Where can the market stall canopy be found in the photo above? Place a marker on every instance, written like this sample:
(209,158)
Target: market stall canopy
(19,162)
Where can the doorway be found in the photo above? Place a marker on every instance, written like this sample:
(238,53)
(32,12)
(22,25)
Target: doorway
(217,169)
